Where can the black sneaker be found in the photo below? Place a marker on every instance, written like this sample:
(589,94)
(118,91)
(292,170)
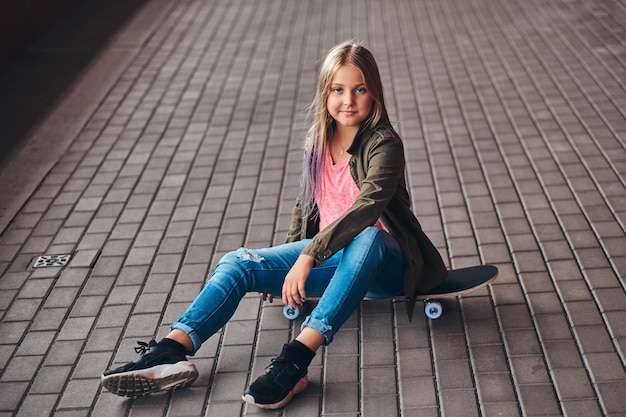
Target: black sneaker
(156,369)
(276,387)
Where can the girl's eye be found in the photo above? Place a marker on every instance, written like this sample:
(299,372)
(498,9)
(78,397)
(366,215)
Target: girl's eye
(336,89)
(361,90)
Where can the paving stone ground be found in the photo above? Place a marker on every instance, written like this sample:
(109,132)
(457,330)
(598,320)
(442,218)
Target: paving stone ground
(513,113)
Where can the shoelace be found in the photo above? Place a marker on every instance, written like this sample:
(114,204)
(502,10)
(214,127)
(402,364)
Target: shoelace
(282,374)
(278,360)
(142,348)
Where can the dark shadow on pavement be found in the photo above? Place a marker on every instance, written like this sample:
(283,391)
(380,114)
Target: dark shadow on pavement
(34,80)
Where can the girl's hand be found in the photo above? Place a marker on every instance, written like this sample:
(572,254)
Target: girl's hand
(293,288)
(266,297)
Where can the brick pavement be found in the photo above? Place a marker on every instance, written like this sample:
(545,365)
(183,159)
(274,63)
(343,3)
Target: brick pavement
(513,115)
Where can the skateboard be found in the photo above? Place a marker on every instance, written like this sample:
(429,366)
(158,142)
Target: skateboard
(459,282)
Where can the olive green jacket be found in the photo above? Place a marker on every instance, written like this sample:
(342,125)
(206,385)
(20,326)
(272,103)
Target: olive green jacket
(377,167)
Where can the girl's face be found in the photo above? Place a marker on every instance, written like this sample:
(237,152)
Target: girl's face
(348,102)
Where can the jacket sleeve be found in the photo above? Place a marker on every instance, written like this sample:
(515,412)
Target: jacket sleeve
(384,168)
(295,230)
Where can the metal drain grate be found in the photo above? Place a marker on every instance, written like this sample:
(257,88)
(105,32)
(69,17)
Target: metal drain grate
(45,261)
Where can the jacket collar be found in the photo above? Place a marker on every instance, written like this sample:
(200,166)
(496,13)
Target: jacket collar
(358,138)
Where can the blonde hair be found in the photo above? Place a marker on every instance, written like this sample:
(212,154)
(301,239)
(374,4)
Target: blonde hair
(353,53)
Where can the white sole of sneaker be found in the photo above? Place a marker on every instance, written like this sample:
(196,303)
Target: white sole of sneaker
(151,380)
(297,389)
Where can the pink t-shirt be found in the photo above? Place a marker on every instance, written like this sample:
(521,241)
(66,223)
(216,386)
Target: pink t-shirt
(340,191)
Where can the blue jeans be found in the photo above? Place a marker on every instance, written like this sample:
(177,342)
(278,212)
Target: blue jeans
(371,265)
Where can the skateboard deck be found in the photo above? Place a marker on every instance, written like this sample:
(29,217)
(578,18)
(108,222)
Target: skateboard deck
(462,281)
(459,282)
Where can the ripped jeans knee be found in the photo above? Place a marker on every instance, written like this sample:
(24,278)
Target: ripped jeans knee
(246,254)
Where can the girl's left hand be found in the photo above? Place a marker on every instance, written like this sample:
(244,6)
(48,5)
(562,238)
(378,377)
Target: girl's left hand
(293,292)
(266,297)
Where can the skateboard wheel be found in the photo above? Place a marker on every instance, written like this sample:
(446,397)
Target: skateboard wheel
(290,312)
(433,309)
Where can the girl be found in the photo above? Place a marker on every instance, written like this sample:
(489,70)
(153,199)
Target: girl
(352,235)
